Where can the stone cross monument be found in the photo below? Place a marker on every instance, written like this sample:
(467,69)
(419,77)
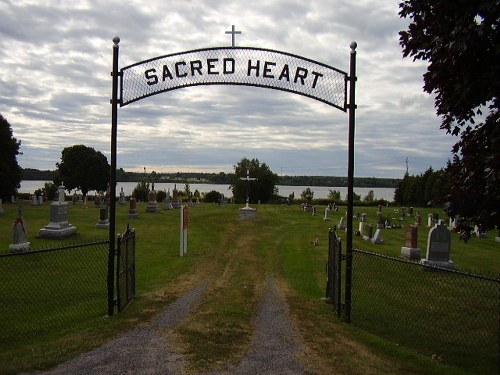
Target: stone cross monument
(248,213)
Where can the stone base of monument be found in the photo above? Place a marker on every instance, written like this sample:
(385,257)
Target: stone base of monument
(497,239)
(412,253)
(132,214)
(438,263)
(103,224)
(19,247)
(57,230)
(168,206)
(152,207)
(248,213)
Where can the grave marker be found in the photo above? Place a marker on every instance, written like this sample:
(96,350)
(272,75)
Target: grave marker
(438,247)
(58,227)
(248,213)
(410,250)
(20,242)
(377,237)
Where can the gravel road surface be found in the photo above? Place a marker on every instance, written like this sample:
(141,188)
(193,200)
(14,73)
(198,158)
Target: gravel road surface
(147,350)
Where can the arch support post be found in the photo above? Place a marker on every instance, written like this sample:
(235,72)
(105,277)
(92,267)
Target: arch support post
(350,183)
(112,178)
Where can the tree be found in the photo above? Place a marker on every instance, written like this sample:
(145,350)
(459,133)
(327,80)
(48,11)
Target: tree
(460,40)
(307,194)
(261,189)
(141,191)
(213,197)
(370,197)
(83,168)
(10,171)
(334,195)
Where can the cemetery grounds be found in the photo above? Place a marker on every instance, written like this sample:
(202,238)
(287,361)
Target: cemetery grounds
(234,257)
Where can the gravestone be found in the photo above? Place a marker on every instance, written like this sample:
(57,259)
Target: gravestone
(20,242)
(327,214)
(368,233)
(132,212)
(453,223)
(313,213)
(152,203)
(418,218)
(103,222)
(380,220)
(429,220)
(1,207)
(438,247)
(410,249)
(121,200)
(342,223)
(377,237)
(58,227)
(361,228)
(308,207)
(497,238)
(176,202)
(34,200)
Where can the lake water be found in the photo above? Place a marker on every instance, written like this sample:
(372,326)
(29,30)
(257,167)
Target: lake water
(284,190)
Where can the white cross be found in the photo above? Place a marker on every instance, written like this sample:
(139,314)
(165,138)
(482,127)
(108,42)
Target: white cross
(248,179)
(233,32)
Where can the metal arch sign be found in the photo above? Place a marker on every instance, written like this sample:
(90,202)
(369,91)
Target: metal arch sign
(235,66)
(256,67)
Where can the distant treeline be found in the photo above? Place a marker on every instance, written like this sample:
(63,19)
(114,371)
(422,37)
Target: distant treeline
(224,178)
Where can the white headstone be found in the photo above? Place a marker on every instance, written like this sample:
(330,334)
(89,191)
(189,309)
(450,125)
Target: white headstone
(327,214)
(377,237)
(341,223)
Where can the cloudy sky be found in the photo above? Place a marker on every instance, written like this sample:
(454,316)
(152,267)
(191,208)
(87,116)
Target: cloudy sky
(55,87)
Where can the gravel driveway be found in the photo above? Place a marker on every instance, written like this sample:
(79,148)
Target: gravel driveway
(147,350)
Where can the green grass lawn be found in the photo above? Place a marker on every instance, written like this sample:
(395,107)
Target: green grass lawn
(237,256)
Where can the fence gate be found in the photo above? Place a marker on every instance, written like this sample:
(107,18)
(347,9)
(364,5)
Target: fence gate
(125,276)
(333,269)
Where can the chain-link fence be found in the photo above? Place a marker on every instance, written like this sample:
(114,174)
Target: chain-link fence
(449,315)
(48,289)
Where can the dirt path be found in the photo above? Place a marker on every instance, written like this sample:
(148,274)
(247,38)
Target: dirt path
(147,350)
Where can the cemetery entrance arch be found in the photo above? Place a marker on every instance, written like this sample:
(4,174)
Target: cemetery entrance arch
(245,66)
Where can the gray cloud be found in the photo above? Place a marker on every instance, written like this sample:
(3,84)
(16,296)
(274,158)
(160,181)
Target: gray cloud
(55,86)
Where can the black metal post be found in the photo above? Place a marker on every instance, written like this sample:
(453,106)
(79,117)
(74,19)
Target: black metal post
(112,179)
(350,182)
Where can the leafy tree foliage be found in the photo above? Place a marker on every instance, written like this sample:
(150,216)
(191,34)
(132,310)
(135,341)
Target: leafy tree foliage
(10,171)
(261,189)
(213,197)
(307,194)
(334,195)
(83,168)
(141,191)
(370,197)
(427,189)
(460,40)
